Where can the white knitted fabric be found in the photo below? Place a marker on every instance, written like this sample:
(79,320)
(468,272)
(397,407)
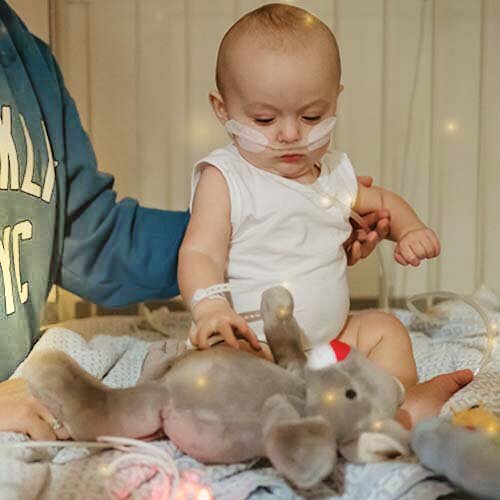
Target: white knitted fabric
(288,233)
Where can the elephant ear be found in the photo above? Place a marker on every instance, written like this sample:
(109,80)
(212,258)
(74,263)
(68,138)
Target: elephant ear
(303,450)
(378,446)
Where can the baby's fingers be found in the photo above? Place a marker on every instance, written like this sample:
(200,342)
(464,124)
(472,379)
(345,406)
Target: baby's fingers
(432,243)
(228,335)
(399,258)
(193,335)
(246,332)
(408,255)
(199,337)
(419,251)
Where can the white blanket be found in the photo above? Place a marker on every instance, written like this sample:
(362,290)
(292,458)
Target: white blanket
(118,361)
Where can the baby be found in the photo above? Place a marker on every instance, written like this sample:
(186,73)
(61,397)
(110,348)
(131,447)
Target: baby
(273,207)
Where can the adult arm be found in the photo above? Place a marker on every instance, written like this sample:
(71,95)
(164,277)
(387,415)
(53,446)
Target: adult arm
(114,253)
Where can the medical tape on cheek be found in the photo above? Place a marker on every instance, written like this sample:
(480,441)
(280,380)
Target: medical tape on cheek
(249,139)
(254,141)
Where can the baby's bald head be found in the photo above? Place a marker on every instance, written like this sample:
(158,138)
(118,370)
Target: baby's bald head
(276,27)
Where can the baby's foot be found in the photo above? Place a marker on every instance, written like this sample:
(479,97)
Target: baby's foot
(425,400)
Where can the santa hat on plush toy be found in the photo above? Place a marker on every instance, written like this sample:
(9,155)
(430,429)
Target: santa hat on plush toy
(324,355)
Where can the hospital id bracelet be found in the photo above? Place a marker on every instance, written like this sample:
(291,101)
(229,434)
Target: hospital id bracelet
(212,292)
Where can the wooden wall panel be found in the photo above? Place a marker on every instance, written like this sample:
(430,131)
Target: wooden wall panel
(77,61)
(488,225)
(161,119)
(455,147)
(206,24)
(422,122)
(112,41)
(35,14)
(406,120)
(359,29)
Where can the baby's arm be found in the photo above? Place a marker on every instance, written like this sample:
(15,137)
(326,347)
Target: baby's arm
(415,241)
(202,260)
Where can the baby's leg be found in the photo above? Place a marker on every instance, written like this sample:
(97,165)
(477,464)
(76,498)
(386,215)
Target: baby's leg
(384,340)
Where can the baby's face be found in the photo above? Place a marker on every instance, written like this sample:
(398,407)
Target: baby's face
(283,95)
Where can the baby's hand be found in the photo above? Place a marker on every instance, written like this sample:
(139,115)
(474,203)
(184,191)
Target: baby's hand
(217,317)
(417,245)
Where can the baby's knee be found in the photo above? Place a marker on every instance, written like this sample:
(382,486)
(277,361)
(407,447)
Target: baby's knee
(385,326)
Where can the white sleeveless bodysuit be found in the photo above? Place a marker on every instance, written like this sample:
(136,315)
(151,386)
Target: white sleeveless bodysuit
(287,233)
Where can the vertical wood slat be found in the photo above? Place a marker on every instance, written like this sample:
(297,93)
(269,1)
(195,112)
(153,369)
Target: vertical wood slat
(207,23)
(359,30)
(488,237)
(407,78)
(76,59)
(442,174)
(457,45)
(35,15)
(112,52)
(160,75)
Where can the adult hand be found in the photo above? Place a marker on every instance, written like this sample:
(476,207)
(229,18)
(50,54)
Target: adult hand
(361,243)
(21,412)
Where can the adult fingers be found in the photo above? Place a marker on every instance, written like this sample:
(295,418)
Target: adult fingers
(52,422)
(353,253)
(368,245)
(383,228)
(39,430)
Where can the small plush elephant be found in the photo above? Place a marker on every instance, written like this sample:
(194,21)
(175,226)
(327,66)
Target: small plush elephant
(224,405)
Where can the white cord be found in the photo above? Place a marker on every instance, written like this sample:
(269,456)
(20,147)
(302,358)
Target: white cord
(139,451)
(490,326)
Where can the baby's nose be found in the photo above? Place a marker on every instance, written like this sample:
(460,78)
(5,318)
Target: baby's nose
(289,132)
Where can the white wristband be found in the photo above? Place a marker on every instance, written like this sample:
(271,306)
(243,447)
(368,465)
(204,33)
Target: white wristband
(212,292)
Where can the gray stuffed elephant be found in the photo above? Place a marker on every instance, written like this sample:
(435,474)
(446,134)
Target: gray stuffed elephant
(223,405)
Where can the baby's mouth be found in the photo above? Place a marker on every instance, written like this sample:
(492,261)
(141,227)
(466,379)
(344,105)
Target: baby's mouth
(294,157)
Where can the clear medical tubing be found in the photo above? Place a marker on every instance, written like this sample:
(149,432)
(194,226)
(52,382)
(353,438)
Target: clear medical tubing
(490,326)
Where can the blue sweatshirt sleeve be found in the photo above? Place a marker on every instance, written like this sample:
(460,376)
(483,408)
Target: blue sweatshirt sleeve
(114,253)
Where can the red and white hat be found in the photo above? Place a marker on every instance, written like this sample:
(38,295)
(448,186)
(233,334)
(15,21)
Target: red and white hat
(324,355)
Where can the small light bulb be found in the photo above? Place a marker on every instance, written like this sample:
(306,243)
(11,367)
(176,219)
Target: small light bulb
(201,382)
(104,470)
(309,20)
(450,126)
(377,425)
(326,201)
(283,312)
(204,494)
(329,397)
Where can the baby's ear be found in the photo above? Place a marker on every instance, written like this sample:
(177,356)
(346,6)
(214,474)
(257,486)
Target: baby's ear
(218,106)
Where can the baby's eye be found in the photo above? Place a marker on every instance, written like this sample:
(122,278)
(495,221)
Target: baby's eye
(311,118)
(263,121)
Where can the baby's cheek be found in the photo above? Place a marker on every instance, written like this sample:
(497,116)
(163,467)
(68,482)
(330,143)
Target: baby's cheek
(261,160)
(318,154)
